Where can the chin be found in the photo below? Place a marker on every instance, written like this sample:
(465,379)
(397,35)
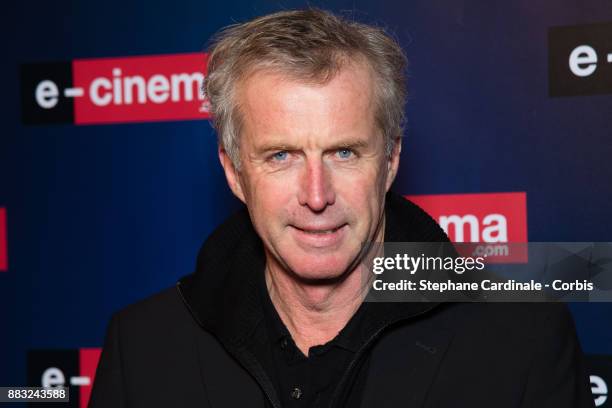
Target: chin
(319,268)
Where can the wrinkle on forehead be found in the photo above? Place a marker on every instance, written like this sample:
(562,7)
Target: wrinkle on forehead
(276,106)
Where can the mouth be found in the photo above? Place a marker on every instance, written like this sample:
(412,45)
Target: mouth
(319,231)
(320,236)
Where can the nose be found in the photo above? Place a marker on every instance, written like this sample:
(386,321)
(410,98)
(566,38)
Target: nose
(316,188)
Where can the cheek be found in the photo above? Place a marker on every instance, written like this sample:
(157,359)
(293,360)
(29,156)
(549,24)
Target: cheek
(363,196)
(268,200)
(363,185)
(275,190)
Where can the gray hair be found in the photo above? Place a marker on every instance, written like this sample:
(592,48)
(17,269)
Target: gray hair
(310,45)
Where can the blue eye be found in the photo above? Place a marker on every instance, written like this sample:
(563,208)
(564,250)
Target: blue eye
(280,156)
(345,153)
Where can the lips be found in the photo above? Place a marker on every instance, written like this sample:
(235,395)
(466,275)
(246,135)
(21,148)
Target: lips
(319,230)
(320,236)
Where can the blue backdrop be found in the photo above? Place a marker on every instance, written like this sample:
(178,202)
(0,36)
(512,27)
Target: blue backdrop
(101,216)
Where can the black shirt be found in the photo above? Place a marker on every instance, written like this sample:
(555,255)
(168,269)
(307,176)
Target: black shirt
(299,380)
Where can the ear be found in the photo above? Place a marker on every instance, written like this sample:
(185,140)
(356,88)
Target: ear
(393,162)
(231,174)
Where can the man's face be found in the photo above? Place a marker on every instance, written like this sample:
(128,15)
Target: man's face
(313,169)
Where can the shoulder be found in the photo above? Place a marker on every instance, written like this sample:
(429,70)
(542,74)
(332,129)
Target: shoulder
(524,319)
(157,318)
(515,333)
(158,331)
(151,344)
(161,304)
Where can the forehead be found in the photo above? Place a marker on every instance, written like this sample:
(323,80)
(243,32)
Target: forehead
(275,104)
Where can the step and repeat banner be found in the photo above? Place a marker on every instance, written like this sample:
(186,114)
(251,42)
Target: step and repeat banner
(110,182)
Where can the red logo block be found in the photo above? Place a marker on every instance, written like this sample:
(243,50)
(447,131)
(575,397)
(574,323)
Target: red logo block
(139,89)
(492,219)
(88,362)
(3,241)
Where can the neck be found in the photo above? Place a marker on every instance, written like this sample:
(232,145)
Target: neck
(315,312)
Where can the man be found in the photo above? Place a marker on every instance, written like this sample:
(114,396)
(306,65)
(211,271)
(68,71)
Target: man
(309,111)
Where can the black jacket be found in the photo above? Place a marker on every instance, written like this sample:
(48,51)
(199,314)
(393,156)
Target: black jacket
(188,346)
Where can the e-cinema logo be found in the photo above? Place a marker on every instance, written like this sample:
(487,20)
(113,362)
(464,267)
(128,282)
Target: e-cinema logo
(580,60)
(492,219)
(3,243)
(115,90)
(75,368)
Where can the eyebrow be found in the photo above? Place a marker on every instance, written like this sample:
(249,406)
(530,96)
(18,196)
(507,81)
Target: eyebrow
(275,146)
(348,144)
(352,144)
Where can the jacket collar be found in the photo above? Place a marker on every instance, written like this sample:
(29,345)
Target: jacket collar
(222,293)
